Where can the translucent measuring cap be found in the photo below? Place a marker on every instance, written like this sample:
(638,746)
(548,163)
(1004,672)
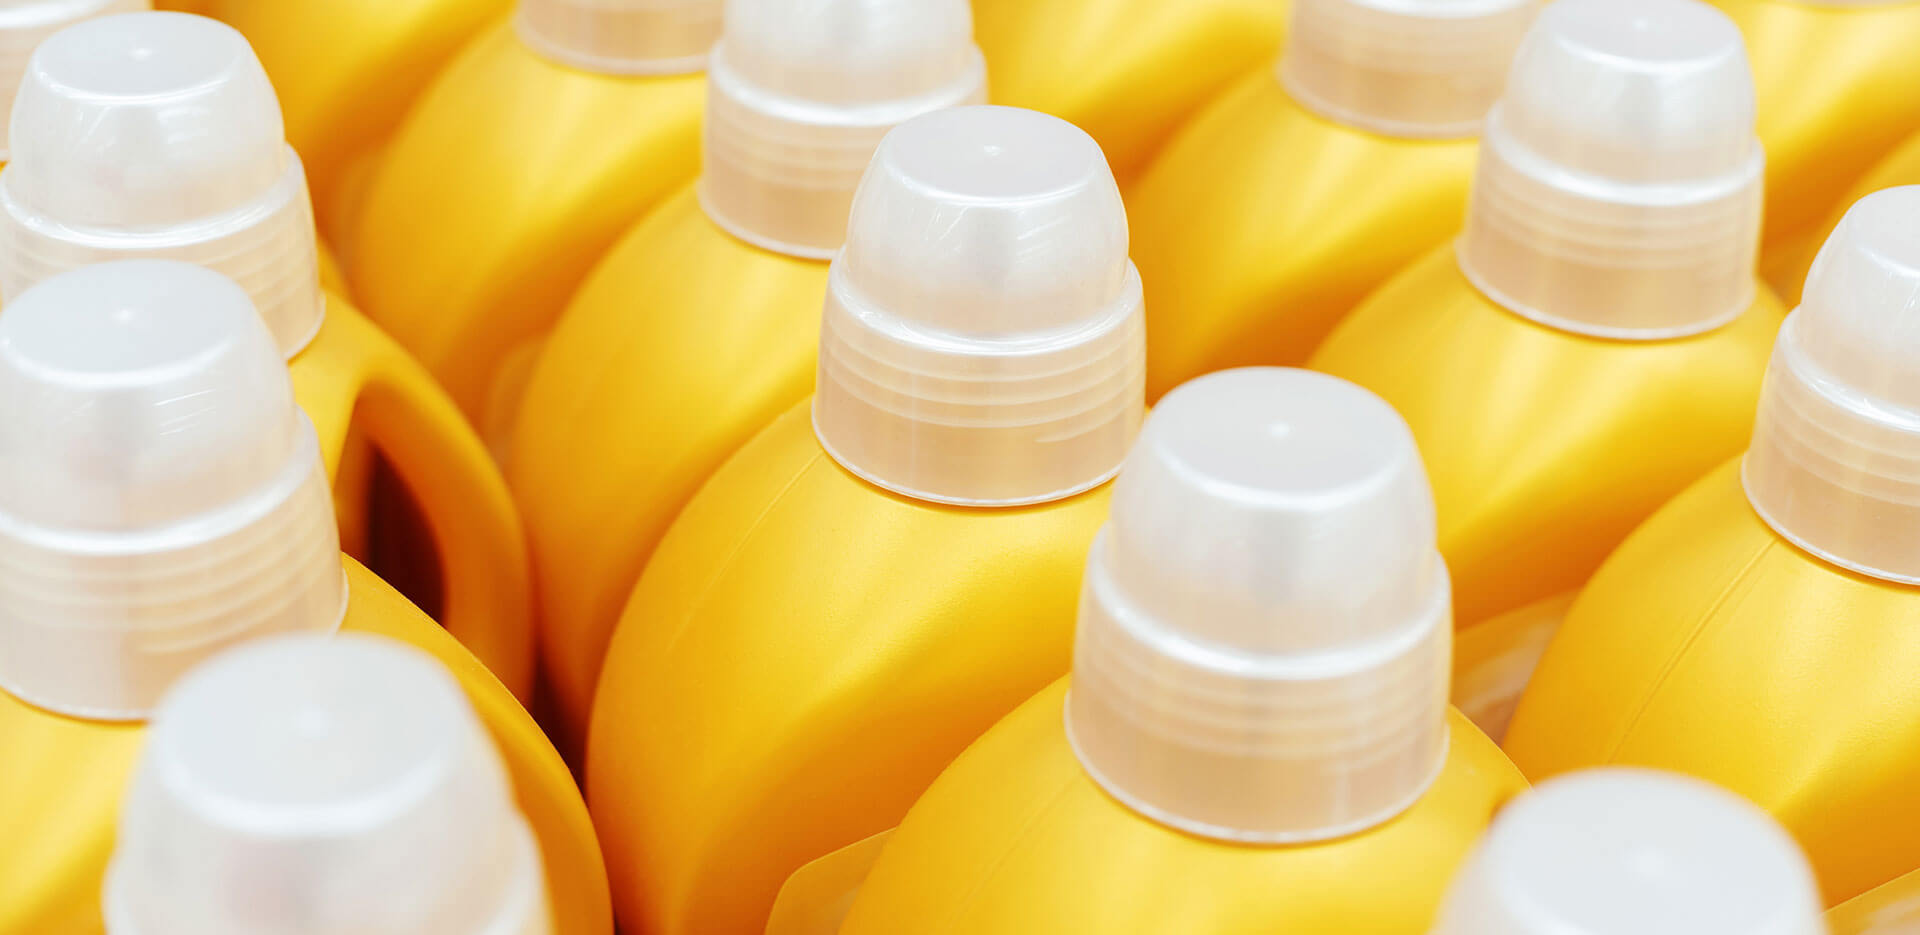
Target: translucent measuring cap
(24,24)
(312,786)
(157,135)
(1835,460)
(621,37)
(982,341)
(1633,852)
(161,497)
(1406,68)
(1269,569)
(800,93)
(1620,180)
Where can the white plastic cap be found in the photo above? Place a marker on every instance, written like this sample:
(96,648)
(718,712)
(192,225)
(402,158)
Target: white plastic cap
(313,786)
(621,37)
(1633,852)
(799,93)
(161,497)
(24,24)
(1265,626)
(982,342)
(1403,68)
(1620,181)
(157,136)
(1835,462)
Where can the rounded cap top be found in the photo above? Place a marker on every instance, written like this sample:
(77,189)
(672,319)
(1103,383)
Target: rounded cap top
(1835,462)
(1274,511)
(1634,91)
(983,340)
(840,52)
(145,119)
(157,135)
(144,393)
(800,92)
(160,494)
(24,24)
(622,37)
(1633,852)
(987,222)
(1269,570)
(310,786)
(1620,180)
(1405,68)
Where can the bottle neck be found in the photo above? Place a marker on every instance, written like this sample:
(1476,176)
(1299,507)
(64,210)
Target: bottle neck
(941,418)
(100,624)
(1280,748)
(1399,74)
(621,37)
(780,172)
(1605,257)
(266,244)
(1834,470)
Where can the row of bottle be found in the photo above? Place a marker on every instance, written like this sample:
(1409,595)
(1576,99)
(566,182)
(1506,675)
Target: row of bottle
(924,336)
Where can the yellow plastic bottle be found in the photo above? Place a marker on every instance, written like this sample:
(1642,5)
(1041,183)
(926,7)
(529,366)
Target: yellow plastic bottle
(163,498)
(1761,631)
(542,142)
(881,574)
(1306,185)
(1128,71)
(1256,736)
(702,325)
(1595,339)
(347,71)
(322,785)
(1835,81)
(1633,852)
(156,135)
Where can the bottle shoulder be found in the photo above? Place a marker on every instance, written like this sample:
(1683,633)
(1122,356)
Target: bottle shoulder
(1015,837)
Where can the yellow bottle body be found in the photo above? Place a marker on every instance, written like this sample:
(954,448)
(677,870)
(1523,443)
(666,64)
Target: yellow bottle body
(1493,660)
(1892,908)
(1834,83)
(682,344)
(1709,645)
(1545,447)
(1015,839)
(1249,265)
(1129,72)
(505,183)
(60,791)
(803,655)
(359,388)
(346,71)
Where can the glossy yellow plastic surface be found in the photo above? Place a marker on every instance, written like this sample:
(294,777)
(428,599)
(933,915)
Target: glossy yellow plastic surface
(1835,85)
(1709,645)
(1262,224)
(1494,659)
(332,277)
(1891,908)
(681,345)
(354,382)
(1129,72)
(1016,839)
(500,190)
(816,899)
(1901,167)
(60,790)
(347,70)
(802,657)
(1545,448)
